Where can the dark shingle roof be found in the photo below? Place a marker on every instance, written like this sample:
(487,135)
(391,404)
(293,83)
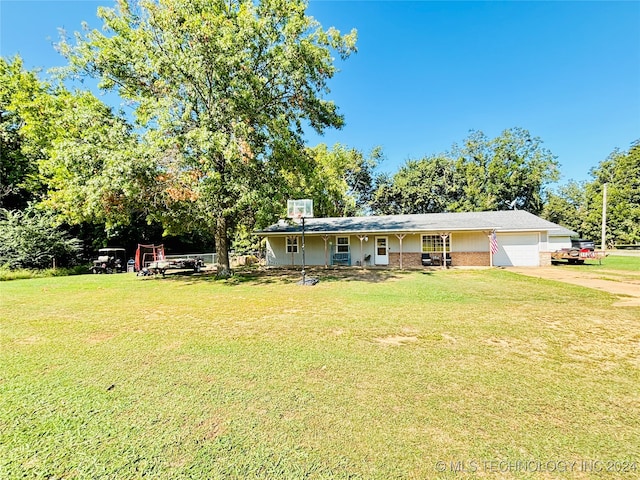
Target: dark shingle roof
(505,221)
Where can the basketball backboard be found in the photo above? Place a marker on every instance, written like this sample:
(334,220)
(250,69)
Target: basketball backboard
(297,209)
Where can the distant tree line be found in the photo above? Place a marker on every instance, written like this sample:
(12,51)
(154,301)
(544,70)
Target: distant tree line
(579,205)
(219,93)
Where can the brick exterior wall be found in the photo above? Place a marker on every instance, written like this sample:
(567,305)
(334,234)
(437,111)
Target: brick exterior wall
(470,259)
(458,259)
(545,259)
(409,260)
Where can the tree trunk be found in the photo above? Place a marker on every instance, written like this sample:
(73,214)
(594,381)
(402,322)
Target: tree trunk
(222,247)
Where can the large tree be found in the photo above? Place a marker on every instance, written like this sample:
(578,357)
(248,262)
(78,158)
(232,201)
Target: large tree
(18,157)
(223,89)
(71,155)
(76,156)
(509,171)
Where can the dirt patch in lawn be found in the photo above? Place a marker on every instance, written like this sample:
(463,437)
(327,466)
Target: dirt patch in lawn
(626,285)
(99,337)
(331,274)
(395,340)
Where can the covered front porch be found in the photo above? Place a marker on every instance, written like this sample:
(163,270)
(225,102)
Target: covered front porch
(395,250)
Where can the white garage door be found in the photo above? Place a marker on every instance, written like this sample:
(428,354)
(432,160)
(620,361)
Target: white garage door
(517,250)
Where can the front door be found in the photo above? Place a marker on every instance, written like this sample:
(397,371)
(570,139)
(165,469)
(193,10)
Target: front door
(382,251)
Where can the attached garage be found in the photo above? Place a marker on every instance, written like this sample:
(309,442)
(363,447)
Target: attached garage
(517,250)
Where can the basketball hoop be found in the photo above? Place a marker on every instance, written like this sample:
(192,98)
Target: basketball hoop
(299,210)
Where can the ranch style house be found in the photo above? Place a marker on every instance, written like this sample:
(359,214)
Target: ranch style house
(502,238)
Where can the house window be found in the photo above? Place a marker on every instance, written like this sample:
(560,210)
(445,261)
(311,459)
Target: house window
(433,243)
(292,244)
(342,244)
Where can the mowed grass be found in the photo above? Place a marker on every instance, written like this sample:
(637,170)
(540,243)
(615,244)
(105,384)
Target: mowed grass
(379,375)
(614,261)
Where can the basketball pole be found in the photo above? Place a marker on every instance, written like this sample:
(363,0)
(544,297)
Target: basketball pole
(298,210)
(304,277)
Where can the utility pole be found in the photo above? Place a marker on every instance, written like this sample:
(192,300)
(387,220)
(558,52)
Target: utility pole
(604,217)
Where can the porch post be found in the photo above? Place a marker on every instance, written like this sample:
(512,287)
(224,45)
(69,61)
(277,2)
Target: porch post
(326,261)
(362,238)
(400,237)
(444,249)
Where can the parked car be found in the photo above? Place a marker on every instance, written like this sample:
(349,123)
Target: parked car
(110,260)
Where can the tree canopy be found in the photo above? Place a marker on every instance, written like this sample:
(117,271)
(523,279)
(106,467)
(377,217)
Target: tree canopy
(340,180)
(567,205)
(19,182)
(621,172)
(579,205)
(223,90)
(428,185)
(68,151)
(509,171)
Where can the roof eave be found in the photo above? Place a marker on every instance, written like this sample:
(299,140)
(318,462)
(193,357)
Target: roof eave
(264,233)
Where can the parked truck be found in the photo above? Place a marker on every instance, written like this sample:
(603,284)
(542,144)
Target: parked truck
(580,251)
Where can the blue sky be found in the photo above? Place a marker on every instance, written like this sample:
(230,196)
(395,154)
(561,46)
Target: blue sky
(427,73)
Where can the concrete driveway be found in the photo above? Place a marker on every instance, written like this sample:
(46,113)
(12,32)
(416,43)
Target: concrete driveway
(624,284)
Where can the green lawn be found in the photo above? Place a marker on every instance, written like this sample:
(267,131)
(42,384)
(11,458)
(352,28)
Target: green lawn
(361,376)
(616,262)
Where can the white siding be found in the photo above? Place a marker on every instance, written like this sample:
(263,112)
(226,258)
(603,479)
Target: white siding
(544,242)
(367,249)
(559,242)
(410,243)
(469,242)
(271,253)
(277,251)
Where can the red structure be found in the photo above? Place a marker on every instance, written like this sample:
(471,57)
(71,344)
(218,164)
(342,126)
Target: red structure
(146,254)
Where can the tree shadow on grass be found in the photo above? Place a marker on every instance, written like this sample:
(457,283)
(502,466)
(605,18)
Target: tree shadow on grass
(290,276)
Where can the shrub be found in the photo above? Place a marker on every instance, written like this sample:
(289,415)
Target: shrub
(30,239)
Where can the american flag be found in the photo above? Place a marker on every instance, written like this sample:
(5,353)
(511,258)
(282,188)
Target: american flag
(494,243)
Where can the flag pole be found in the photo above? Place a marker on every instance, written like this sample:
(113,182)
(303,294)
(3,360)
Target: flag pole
(490,249)
(493,246)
